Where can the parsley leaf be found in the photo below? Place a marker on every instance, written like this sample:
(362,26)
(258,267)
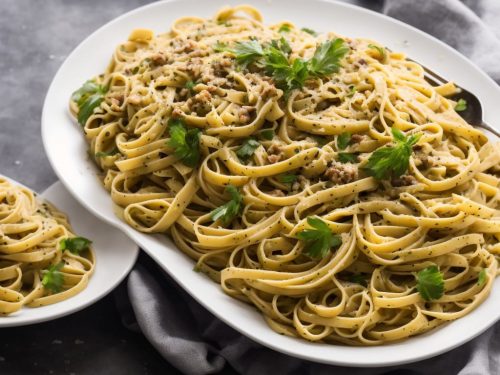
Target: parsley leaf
(481,279)
(392,161)
(461,105)
(247,149)
(352,91)
(75,244)
(320,239)
(291,75)
(190,85)
(185,142)
(343,140)
(228,211)
(309,31)
(284,29)
(88,97)
(326,59)
(220,47)
(358,279)
(267,134)
(53,278)
(348,157)
(380,50)
(430,283)
(102,154)
(287,178)
(247,52)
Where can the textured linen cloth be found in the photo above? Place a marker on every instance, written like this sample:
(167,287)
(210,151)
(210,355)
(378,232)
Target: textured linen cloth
(196,342)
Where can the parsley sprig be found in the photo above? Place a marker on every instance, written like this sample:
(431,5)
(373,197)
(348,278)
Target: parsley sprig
(88,97)
(461,105)
(343,140)
(231,209)
(185,142)
(291,74)
(75,244)
(430,283)
(53,278)
(319,240)
(392,161)
(247,149)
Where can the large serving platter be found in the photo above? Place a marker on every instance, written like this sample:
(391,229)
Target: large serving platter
(66,149)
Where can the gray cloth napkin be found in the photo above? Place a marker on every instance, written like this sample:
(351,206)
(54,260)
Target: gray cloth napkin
(196,342)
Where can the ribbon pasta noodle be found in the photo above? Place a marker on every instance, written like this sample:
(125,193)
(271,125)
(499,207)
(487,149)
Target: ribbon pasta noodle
(281,150)
(31,233)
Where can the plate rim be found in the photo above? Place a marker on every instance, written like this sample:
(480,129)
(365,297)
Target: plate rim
(135,236)
(19,321)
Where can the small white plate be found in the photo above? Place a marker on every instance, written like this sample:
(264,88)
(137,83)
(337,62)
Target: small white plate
(66,150)
(115,256)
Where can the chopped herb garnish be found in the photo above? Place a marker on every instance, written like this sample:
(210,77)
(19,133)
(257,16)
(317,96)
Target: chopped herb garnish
(247,149)
(220,47)
(430,283)
(392,161)
(284,29)
(287,178)
(352,91)
(321,141)
(348,157)
(231,209)
(481,279)
(358,279)
(267,134)
(53,278)
(461,105)
(247,52)
(319,240)
(102,154)
(75,244)
(290,75)
(343,140)
(190,85)
(326,59)
(88,97)
(309,31)
(380,50)
(185,142)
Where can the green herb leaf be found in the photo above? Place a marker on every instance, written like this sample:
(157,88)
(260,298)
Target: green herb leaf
(461,105)
(53,278)
(88,97)
(247,149)
(247,52)
(481,279)
(220,47)
(102,154)
(380,50)
(352,91)
(190,85)
(358,279)
(392,161)
(430,283)
(343,140)
(287,178)
(284,29)
(319,240)
(267,134)
(309,31)
(348,157)
(185,142)
(321,141)
(326,59)
(230,210)
(75,244)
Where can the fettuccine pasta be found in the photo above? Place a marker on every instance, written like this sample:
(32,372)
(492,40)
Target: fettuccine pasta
(41,260)
(319,178)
